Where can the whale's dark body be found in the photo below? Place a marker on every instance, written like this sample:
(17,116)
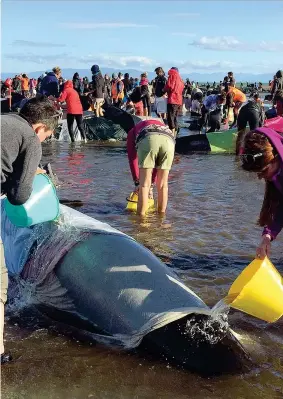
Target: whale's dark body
(105,284)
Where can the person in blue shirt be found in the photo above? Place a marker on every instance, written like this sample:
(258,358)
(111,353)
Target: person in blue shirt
(50,83)
(212,111)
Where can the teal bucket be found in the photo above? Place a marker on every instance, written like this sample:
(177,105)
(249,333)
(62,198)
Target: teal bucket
(42,205)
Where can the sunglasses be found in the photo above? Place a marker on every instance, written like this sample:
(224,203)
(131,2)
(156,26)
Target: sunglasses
(251,158)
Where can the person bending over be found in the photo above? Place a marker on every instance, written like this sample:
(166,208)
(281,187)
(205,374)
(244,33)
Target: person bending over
(262,153)
(212,111)
(150,146)
(251,113)
(21,136)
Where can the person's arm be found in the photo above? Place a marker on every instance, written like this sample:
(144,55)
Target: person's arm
(20,183)
(63,96)
(132,154)
(270,233)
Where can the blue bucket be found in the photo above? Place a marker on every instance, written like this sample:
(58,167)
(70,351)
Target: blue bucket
(42,205)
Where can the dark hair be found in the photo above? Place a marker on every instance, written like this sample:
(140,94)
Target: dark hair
(76,76)
(222,96)
(230,73)
(159,70)
(40,110)
(126,76)
(143,75)
(256,143)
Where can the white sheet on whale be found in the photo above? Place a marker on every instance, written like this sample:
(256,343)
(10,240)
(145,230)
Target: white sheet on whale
(19,241)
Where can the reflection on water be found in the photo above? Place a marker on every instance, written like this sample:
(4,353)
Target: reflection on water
(208,236)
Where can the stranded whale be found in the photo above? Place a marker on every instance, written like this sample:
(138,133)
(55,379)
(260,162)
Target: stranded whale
(90,276)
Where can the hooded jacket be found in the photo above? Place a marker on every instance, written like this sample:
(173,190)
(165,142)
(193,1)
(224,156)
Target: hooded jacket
(78,84)
(98,85)
(174,88)
(276,140)
(70,95)
(50,85)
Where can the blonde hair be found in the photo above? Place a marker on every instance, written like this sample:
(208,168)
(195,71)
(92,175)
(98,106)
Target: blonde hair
(56,70)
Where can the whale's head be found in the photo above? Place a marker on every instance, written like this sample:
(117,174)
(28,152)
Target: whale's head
(199,343)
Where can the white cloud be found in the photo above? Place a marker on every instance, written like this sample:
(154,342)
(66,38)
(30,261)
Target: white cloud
(102,25)
(186,34)
(220,43)
(231,43)
(137,62)
(30,43)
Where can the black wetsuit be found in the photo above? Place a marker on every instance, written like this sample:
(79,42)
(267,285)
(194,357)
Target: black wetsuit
(252,114)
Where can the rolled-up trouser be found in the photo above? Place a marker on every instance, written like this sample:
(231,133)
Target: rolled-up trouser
(3,293)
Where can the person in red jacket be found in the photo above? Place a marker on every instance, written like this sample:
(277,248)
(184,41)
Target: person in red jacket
(74,109)
(174,88)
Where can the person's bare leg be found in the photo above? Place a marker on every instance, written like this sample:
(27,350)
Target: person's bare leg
(162,190)
(144,187)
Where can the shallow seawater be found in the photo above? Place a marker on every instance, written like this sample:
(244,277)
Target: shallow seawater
(208,236)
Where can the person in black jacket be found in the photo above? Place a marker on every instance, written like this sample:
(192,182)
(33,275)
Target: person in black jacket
(128,86)
(160,97)
(107,89)
(253,114)
(77,84)
(98,88)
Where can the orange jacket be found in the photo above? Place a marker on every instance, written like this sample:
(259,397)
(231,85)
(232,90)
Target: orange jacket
(117,89)
(25,84)
(238,95)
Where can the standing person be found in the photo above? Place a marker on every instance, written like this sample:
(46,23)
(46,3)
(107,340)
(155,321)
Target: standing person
(25,85)
(74,109)
(50,83)
(231,79)
(17,85)
(85,84)
(21,136)
(160,97)
(78,84)
(32,86)
(117,90)
(145,95)
(107,89)
(127,84)
(174,89)
(277,83)
(262,153)
(97,90)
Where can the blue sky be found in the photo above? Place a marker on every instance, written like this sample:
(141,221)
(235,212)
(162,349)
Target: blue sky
(202,36)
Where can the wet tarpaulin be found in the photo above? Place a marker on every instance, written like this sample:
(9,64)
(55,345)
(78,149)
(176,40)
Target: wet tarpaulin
(103,129)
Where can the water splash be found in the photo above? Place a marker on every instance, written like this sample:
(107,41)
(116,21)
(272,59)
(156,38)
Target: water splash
(207,329)
(221,309)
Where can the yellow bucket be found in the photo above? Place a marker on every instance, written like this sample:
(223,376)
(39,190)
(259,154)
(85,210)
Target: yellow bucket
(132,204)
(258,291)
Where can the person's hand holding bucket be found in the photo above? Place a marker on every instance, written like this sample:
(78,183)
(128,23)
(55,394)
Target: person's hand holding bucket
(258,291)
(264,247)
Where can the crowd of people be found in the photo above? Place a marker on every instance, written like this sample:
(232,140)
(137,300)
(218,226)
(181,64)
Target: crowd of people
(150,141)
